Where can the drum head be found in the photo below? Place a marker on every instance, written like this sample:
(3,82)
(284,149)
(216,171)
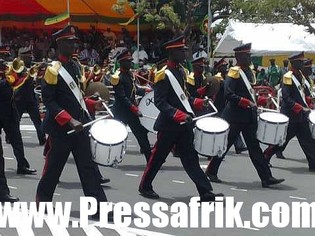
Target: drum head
(149,111)
(274,117)
(109,131)
(212,125)
(312,117)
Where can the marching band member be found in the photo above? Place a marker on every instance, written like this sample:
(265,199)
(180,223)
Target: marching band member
(66,110)
(241,113)
(125,106)
(170,98)
(296,103)
(9,118)
(25,97)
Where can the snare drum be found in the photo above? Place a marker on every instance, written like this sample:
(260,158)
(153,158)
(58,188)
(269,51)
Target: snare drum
(272,128)
(108,140)
(311,122)
(211,135)
(149,111)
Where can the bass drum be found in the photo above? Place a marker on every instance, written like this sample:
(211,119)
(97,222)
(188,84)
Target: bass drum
(108,140)
(149,111)
(99,87)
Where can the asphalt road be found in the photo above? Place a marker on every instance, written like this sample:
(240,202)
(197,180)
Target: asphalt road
(172,184)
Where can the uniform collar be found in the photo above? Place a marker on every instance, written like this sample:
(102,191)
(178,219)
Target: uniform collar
(63,58)
(172,64)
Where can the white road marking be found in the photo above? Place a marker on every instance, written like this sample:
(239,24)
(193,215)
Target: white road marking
(57,194)
(91,230)
(27,127)
(299,198)
(132,146)
(178,181)
(57,230)
(8,158)
(26,137)
(239,189)
(25,231)
(132,175)
(12,187)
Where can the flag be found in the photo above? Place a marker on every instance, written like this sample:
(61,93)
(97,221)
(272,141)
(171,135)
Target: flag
(57,19)
(135,16)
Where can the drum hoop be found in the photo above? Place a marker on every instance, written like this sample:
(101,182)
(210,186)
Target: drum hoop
(209,132)
(271,122)
(106,144)
(107,165)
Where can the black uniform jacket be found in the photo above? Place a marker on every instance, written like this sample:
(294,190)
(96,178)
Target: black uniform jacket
(6,98)
(166,100)
(59,99)
(238,97)
(125,92)
(292,102)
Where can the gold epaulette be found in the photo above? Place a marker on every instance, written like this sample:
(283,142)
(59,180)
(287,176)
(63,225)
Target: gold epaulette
(51,74)
(234,72)
(114,79)
(191,79)
(287,78)
(218,76)
(160,75)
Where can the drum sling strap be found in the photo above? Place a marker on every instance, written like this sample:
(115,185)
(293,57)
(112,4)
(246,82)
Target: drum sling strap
(179,91)
(74,88)
(300,89)
(309,87)
(248,86)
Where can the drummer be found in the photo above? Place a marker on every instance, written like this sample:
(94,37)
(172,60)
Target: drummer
(241,113)
(65,111)
(296,103)
(169,98)
(125,106)
(195,80)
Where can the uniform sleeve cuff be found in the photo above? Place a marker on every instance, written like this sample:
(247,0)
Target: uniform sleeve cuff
(262,101)
(198,104)
(90,105)
(297,108)
(244,103)
(63,118)
(134,109)
(179,116)
(202,91)
(309,101)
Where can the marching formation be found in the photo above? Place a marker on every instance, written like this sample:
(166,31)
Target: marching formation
(191,111)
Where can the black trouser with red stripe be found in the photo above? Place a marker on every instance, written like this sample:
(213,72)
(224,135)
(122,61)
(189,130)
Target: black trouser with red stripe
(255,153)
(139,132)
(302,131)
(56,158)
(183,139)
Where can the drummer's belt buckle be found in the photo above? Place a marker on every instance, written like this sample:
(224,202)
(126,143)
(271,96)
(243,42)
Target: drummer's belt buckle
(72,85)
(182,97)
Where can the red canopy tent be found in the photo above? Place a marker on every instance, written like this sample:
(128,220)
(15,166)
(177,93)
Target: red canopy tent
(83,13)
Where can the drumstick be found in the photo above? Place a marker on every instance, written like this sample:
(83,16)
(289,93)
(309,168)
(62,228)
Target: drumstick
(200,117)
(89,123)
(149,117)
(266,109)
(212,105)
(273,100)
(106,107)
